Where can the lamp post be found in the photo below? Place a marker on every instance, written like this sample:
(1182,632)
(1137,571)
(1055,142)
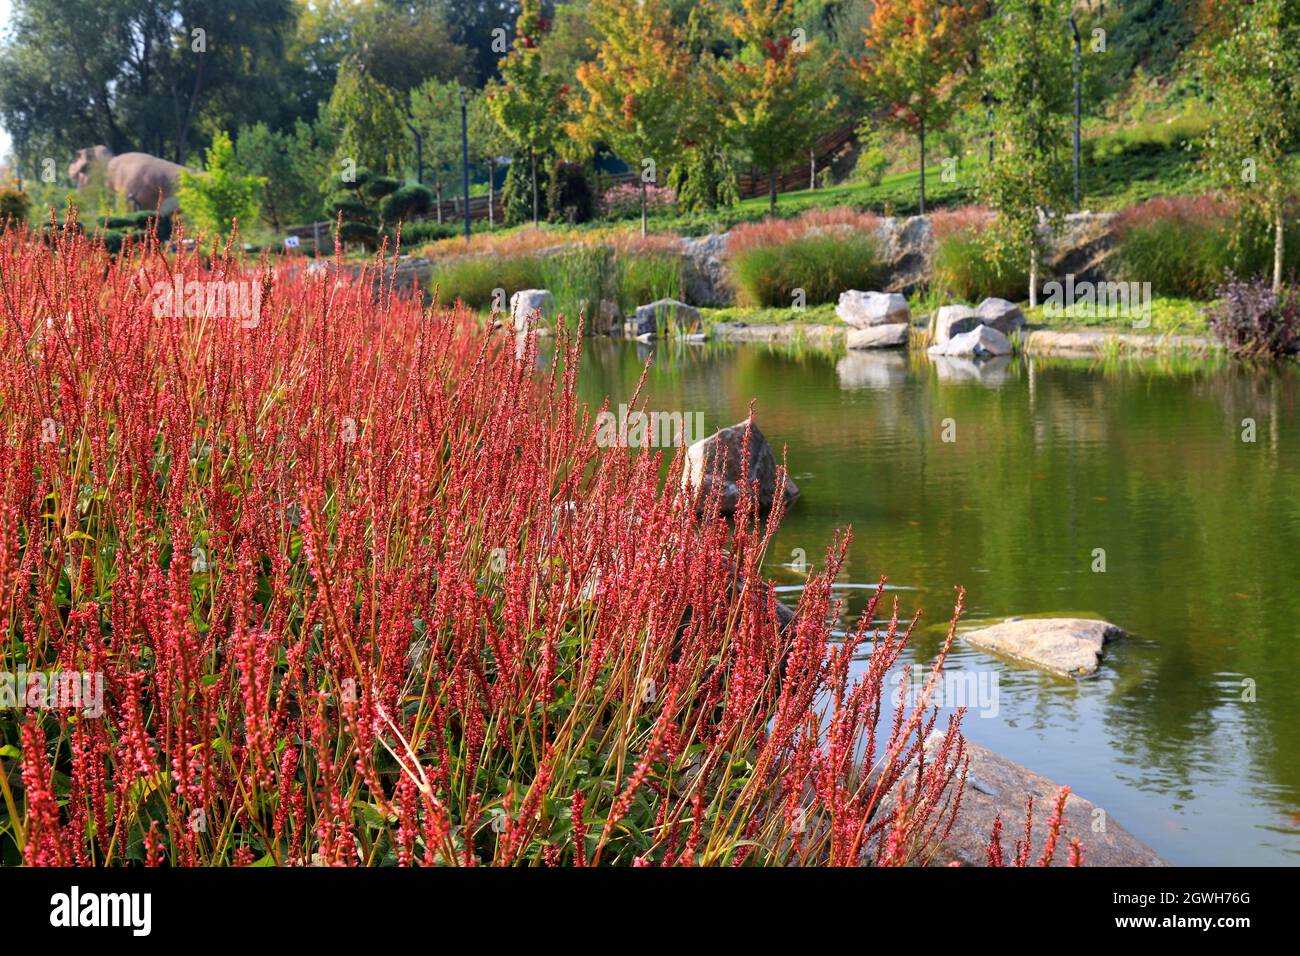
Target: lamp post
(464,157)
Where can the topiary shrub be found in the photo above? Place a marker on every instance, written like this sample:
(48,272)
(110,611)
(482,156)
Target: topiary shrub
(404,202)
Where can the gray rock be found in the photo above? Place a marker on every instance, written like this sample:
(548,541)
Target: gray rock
(865,309)
(980,341)
(704,270)
(821,336)
(996,786)
(877,370)
(761,468)
(529,307)
(1068,646)
(659,316)
(609,318)
(990,373)
(1002,315)
(906,249)
(951,320)
(878,336)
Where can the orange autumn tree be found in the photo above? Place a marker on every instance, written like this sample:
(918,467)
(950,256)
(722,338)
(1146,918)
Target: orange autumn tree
(915,60)
(634,88)
(777,89)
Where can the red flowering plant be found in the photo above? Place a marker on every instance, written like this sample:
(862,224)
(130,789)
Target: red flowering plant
(362,588)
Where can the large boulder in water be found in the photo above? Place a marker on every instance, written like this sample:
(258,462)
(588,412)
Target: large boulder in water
(760,470)
(1068,646)
(1002,315)
(981,341)
(660,316)
(878,336)
(950,321)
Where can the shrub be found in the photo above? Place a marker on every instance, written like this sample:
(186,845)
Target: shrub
(623,201)
(417,231)
(440,624)
(822,252)
(1253,321)
(474,279)
(380,186)
(409,200)
(14,206)
(964,267)
(569,197)
(224,193)
(1185,245)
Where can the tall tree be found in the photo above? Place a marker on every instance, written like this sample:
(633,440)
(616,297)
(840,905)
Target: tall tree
(913,64)
(369,119)
(435,113)
(634,88)
(152,75)
(1251,71)
(530,102)
(1028,74)
(777,88)
(487,143)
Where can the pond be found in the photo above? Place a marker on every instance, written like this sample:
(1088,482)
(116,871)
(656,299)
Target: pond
(1122,490)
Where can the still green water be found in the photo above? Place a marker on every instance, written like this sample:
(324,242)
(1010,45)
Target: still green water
(1188,734)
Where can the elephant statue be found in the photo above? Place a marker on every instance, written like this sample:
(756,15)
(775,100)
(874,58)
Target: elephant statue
(147,182)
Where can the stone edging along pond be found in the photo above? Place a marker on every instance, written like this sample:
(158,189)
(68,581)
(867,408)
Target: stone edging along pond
(1082,343)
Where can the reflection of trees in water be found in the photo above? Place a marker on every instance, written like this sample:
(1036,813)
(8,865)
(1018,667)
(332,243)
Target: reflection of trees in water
(1201,531)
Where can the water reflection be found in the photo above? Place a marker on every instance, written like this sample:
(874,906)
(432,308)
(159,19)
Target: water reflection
(1186,736)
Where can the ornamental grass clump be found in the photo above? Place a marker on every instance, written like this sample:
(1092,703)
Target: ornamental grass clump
(362,589)
(808,260)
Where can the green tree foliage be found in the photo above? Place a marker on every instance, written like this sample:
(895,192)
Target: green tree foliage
(369,119)
(634,88)
(435,113)
(916,52)
(1028,73)
(530,103)
(291,192)
(488,143)
(778,90)
(151,75)
(1252,72)
(224,194)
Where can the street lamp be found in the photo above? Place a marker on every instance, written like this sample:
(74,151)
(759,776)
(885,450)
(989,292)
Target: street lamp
(464,157)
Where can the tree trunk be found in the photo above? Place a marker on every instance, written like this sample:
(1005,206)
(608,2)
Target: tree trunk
(643,207)
(532,164)
(771,186)
(812,167)
(922,132)
(437,192)
(1278,248)
(492,196)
